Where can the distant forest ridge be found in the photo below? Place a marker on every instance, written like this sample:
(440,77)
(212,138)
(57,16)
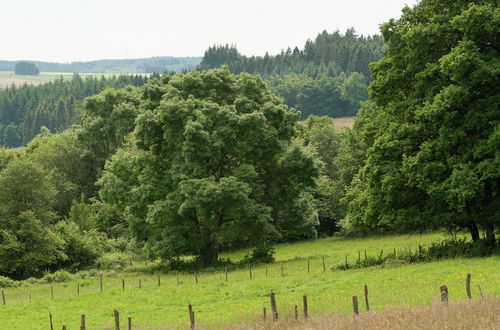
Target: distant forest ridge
(139,65)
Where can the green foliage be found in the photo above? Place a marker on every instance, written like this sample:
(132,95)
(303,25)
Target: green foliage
(433,130)
(24,110)
(26,68)
(214,167)
(28,247)
(6,282)
(57,277)
(112,261)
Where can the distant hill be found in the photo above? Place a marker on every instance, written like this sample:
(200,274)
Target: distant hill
(139,65)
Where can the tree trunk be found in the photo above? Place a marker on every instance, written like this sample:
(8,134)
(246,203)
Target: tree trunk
(210,252)
(474,231)
(490,234)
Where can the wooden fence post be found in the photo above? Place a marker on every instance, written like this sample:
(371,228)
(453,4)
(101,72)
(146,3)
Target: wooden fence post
(381,253)
(305,307)
(366,298)
(63,327)
(324,266)
(52,292)
(365,256)
(158,280)
(250,270)
(480,291)
(266,271)
(130,261)
(359,257)
(264,313)
(50,321)
(296,311)
(82,322)
(444,293)
(100,282)
(273,306)
(30,296)
(346,261)
(355,305)
(308,264)
(140,284)
(196,277)
(467,286)
(123,284)
(129,323)
(117,319)
(191,316)
(282,271)
(225,272)
(3,297)
(78,288)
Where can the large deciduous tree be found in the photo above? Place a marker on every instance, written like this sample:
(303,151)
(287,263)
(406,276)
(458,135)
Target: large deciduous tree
(212,164)
(435,131)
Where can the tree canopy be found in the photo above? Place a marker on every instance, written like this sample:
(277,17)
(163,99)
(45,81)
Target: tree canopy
(26,68)
(213,164)
(433,132)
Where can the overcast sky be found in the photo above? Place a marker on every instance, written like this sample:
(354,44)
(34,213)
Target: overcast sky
(75,30)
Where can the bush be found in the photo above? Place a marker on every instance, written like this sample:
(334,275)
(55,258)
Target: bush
(6,282)
(112,261)
(261,254)
(59,276)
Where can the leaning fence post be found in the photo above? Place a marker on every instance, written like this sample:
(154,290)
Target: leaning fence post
(355,305)
(50,321)
(444,293)
(3,297)
(324,267)
(304,304)
(191,316)
(273,306)
(366,298)
(480,291)
(467,286)
(117,319)
(82,322)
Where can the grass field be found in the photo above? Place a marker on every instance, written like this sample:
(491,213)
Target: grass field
(7,78)
(218,303)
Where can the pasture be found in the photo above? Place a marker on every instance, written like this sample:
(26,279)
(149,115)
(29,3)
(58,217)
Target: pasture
(219,303)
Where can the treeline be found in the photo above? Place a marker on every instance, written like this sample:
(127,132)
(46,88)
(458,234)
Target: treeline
(158,64)
(328,76)
(24,110)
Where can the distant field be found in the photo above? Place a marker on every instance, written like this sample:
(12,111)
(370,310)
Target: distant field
(343,122)
(219,303)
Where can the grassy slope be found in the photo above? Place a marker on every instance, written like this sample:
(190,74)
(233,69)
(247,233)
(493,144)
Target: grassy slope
(220,303)
(7,78)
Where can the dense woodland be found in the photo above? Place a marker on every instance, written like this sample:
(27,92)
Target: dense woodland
(197,163)
(328,76)
(26,109)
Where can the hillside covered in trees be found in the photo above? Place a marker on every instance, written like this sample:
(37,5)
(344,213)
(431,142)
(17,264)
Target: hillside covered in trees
(328,76)
(158,64)
(25,109)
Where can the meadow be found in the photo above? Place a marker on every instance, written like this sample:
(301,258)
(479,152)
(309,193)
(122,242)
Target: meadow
(219,303)
(7,78)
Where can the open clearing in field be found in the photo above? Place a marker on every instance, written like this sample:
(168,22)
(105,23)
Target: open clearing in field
(220,303)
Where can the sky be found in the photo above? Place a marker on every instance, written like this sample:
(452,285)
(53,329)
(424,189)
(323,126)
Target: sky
(82,30)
